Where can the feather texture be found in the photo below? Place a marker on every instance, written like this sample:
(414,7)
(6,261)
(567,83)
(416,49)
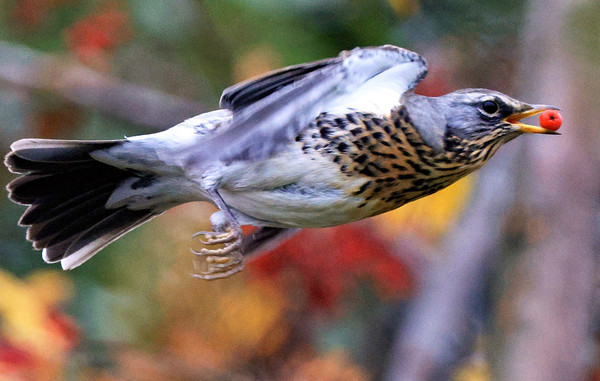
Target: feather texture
(270,111)
(67,190)
(82,195)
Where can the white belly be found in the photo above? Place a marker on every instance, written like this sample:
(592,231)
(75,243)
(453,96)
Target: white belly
(290,191)
(292,208)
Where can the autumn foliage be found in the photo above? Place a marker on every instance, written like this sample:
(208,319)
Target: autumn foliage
(331,263)
(36,336)
(94,38)
(318,307)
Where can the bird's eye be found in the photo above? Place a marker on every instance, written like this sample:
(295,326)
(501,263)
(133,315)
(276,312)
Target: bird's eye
(490,107)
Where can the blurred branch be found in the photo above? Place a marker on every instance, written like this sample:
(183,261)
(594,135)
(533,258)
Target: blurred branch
(24,67)
(439,328)
(545,315)
(547,331)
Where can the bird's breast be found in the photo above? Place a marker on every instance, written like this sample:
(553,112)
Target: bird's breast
(387,154)
(344,168)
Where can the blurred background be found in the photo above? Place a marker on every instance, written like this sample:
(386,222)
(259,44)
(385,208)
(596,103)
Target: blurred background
(492,278)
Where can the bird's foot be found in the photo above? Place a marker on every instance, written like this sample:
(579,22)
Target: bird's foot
(216,237)
(221,266)
(223,261)
(232,240)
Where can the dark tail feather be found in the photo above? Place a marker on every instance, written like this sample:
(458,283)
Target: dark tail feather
(66,190)
(266,238)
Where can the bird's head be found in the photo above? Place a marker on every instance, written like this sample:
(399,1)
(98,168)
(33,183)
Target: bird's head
(486,115)
(471,124)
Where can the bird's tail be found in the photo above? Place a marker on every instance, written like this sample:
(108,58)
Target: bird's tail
(68,191)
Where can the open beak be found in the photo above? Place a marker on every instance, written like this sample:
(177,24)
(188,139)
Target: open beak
(527,128)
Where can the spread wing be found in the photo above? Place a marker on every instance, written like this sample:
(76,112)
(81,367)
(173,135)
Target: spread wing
(243,94)
(273,109)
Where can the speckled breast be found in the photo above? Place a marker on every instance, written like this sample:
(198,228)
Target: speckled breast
(388,154)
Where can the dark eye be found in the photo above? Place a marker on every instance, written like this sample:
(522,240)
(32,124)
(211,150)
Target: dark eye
(490,107)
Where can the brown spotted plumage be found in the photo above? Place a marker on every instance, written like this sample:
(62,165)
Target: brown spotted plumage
(396,164)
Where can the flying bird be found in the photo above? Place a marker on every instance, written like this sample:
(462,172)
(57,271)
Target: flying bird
(312,145)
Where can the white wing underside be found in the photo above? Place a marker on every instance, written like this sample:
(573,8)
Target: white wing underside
(380,94)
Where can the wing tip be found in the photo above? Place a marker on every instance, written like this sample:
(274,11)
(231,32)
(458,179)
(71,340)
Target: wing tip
(46,257)
(76,259)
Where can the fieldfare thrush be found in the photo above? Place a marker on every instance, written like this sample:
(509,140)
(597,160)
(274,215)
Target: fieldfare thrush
(312,145)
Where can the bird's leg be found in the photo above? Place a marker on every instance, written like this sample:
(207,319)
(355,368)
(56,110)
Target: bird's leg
(227,260)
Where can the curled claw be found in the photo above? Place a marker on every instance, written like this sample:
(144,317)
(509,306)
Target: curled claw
(217,261)
(213,238)
(221,267)
(215,241)
(227,259)
(224,261)
(232,247)
(200,253)
(211,234)
(212,276)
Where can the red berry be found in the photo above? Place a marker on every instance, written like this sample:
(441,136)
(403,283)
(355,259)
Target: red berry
(550,120)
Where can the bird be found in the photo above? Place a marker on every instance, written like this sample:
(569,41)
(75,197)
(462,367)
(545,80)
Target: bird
(312,145)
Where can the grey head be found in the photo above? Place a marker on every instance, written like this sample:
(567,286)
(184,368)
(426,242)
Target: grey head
(478,116)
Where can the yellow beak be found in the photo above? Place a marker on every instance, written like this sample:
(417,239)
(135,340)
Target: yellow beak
(527,128)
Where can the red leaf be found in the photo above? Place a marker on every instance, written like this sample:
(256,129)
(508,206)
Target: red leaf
(330,261)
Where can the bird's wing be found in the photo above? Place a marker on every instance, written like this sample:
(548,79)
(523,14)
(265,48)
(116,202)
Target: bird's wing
(245,93)
(271,110)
